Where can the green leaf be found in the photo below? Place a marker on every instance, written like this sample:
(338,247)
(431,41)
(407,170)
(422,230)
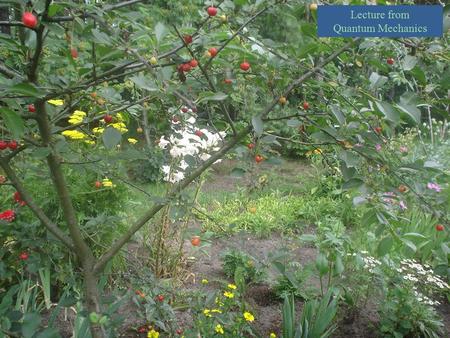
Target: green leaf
(408,105)
(352,184)
(322,264)
(143,82)
(258,125)
(160,31)
(377,80)
(388,111)
(338,265)
(409,62)
(338,114)
(101,37)
(13,122)
(385,245)
(26,89)
(111,137)
(210,96)
(31,322)
(351,160)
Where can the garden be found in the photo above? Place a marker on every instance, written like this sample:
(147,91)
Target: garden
(214,169)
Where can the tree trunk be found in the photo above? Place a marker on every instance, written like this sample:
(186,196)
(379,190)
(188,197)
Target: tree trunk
(92,300)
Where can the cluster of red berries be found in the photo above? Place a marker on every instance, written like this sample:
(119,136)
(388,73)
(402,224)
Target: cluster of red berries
(258,158)
(8,215)
(187,66)
(18,199)
(11,145)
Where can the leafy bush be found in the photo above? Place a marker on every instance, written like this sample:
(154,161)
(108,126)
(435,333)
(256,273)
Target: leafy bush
(403,313)
(248,268)
(147,170)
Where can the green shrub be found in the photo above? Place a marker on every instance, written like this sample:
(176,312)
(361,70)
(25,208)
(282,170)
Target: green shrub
(249,269)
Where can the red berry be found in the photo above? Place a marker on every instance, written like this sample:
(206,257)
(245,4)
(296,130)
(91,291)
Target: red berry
(258,158)
(142,329)
(17,197)
(193,63)
(378,130)
(160,298)
(29,20)
(24,256)
(439,227)
(251,146)
(228,81)
(175,119)
(198,133)
(3,145)
(212,51)
(390,61)
(195,240)
(187,39)
(184,109)
(8,215)
(107,118)
(186,67)
(305,105)
(74,53)
(12,145)
(194,109)
(98,184)
(212,11)
(245,66)
(31,108)
(179,332)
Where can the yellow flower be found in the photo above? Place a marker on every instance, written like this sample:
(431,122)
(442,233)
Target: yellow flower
(207,312)
(216,311)
(153,334)
(77,117)
(120,126)
(228,294)
(205,281)
(219,329)
(218,302)
(232,286)
(119,117)
(107,183)
(318,151)
(56,102)
(74,134)
(273,335)
(249,317)
(98,130)
(132,140)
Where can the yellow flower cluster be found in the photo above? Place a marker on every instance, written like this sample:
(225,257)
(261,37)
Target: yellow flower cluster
(153,334)
(56,102)
(132,140)
(219,329)
(249,317)
(273,335)
(74,134)
(107,183)
(204,281)
(228,294)
(208,312)
(77,117)
(232,286)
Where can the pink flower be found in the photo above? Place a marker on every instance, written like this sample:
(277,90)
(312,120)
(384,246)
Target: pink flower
(8,215)
(402,205)
(378,147)
(403,149)
(434,186)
